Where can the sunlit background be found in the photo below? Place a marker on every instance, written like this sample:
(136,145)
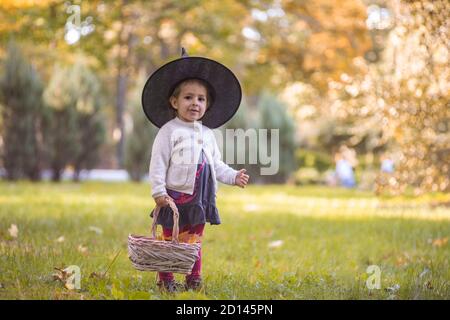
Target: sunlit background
(358,89)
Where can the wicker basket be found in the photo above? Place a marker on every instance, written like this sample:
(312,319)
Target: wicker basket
(150,254)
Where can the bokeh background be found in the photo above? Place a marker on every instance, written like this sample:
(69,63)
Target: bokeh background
(356,81)
(359,90)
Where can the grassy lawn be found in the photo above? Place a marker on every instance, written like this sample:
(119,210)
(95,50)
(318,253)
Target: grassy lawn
(275,242)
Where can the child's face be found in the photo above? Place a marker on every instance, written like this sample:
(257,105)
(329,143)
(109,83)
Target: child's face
(191,103)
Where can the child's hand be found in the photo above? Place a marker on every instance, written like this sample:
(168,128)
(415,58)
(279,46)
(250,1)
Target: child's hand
(162,201)
(241,178)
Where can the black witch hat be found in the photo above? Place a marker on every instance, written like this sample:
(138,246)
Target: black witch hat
(223,86)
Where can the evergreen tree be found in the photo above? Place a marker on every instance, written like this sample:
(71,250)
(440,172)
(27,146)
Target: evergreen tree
(21,97)
(91,127)
(75,126)
(61,124)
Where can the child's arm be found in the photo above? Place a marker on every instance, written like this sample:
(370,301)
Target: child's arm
(159,163)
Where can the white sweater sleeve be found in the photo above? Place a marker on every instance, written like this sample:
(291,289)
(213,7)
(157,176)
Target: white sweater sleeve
(159,163)
(224,173)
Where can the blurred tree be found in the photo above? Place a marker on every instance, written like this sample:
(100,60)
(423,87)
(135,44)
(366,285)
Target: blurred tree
(268,44)
(302,47)
(74,128)
(61,125)
(413,90)
(402,103)
(152,33)
(309,41)
(351,120)
(379,22)
(244,122)
(139,141)
(243,118)
(91,123)
(21,96)
(273,115)
(321,161)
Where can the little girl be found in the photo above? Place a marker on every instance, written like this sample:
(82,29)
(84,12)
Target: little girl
(186,98)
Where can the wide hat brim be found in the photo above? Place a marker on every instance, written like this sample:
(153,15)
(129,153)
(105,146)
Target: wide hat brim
(224,88)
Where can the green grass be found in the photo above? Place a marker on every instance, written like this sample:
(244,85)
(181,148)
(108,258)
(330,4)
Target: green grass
(330,237)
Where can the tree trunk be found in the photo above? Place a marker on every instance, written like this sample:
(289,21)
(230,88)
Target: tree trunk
(122,80)
(76,174)
(56,173)
(56,176)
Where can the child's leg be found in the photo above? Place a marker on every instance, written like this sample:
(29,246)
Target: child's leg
(166,276)
(167,232)
(197,268)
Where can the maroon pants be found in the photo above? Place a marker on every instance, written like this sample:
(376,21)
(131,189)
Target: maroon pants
(196,269)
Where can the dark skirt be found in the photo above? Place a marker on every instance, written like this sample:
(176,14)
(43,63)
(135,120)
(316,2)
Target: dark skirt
(198,208)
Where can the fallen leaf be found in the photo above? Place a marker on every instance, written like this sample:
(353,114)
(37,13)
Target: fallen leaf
(96,275)
(60,275)
(403,260)
(269,233)
(275,244)
(69,285)
(103,274)
(13,231)
(440,242)
(82,249)
(64,276)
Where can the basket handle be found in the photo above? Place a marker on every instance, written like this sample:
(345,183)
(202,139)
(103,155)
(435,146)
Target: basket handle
(176,215)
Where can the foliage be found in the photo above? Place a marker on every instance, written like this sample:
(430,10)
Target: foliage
(313,159)
(344,82)
(91,122)
(245,120)
(269,113)
(308,41)
(273,115)
(74,128)
(21,97)
(415,97)
(406,103)
(60,131)
(307,176)
(311,41)
(140,140)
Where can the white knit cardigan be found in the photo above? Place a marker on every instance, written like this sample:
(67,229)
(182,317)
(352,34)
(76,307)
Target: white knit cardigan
(175,154)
